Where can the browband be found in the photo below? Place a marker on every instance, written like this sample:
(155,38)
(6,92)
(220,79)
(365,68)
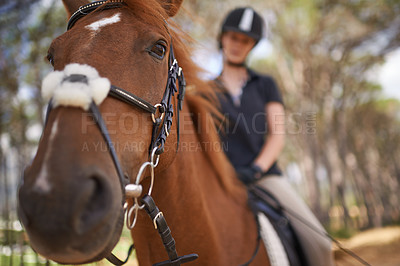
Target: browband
(85,9)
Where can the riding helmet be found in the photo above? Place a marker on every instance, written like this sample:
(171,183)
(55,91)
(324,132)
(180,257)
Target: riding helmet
(244,20)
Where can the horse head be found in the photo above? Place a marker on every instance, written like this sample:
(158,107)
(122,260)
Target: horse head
(70,199)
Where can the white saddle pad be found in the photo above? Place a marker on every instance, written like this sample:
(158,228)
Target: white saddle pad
(276,251)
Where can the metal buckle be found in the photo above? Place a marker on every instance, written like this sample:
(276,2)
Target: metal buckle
(160,214)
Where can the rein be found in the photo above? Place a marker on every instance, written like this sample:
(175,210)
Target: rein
(160,132)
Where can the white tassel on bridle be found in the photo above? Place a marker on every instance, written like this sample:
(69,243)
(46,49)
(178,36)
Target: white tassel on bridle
(77,86)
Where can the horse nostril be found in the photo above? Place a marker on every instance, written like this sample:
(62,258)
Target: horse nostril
(93,205)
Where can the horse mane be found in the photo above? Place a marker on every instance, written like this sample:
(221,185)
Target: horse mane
(203,105)
(200,97)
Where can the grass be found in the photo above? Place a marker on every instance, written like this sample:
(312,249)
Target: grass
(15,253)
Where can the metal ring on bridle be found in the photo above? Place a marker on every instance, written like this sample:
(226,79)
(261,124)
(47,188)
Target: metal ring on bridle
(135,207)
(141,171)
(154,160)
(161,116)
(153,153)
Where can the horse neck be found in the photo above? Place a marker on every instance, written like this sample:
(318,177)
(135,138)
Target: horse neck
(200,171)
(204,216)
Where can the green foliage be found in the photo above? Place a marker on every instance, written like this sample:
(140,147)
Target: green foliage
(342,233)
(25,38)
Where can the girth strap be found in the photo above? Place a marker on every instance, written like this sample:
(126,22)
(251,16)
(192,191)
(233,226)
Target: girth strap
(165,233)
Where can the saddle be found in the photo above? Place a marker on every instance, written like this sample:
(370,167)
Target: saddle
(262,202)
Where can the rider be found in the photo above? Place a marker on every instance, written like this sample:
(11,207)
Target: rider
(255,137)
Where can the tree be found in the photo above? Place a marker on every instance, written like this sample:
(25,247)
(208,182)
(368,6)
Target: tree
(327,52)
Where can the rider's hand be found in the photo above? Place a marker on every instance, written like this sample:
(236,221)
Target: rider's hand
(250,174)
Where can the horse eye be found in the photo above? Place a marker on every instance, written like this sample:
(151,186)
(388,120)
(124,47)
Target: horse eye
(50,59)
(158,50)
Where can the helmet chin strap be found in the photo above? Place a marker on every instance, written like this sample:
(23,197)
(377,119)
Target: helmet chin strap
(232,64)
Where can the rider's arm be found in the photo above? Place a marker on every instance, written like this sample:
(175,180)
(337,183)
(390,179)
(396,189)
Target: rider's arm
(275,141)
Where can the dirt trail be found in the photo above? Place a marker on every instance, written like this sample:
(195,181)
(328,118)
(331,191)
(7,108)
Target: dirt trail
(378,247)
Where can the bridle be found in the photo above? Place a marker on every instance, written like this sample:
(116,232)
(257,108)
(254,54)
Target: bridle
(165,110)
(161,128)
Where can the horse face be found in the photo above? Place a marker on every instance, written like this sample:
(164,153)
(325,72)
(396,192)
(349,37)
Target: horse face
(70,198)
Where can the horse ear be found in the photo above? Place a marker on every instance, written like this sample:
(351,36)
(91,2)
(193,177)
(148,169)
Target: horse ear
(72,5)
(171,6)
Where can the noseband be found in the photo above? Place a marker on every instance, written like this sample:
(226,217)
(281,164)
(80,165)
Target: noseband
(161,128)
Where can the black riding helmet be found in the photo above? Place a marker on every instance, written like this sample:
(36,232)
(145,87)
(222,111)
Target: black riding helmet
(244,20)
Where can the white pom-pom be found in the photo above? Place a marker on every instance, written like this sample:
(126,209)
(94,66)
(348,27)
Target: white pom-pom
(72,95)
(50,83)
(102,86)
(65,92)
(88,71)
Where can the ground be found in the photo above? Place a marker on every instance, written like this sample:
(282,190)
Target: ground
(378,247)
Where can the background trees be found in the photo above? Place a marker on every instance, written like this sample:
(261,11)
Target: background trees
(328,55)
(26,30)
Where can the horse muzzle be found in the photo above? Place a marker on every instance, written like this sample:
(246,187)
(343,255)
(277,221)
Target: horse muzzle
(77,221)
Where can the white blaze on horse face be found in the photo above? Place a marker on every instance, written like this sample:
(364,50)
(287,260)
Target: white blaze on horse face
(96,26)
(42,183)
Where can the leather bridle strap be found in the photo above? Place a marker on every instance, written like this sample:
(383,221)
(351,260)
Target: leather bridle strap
(116,261)
(86,9)
(165,233)
(103,129)
(174,73)
(131,99)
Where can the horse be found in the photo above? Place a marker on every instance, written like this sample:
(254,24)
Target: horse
(72,195)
